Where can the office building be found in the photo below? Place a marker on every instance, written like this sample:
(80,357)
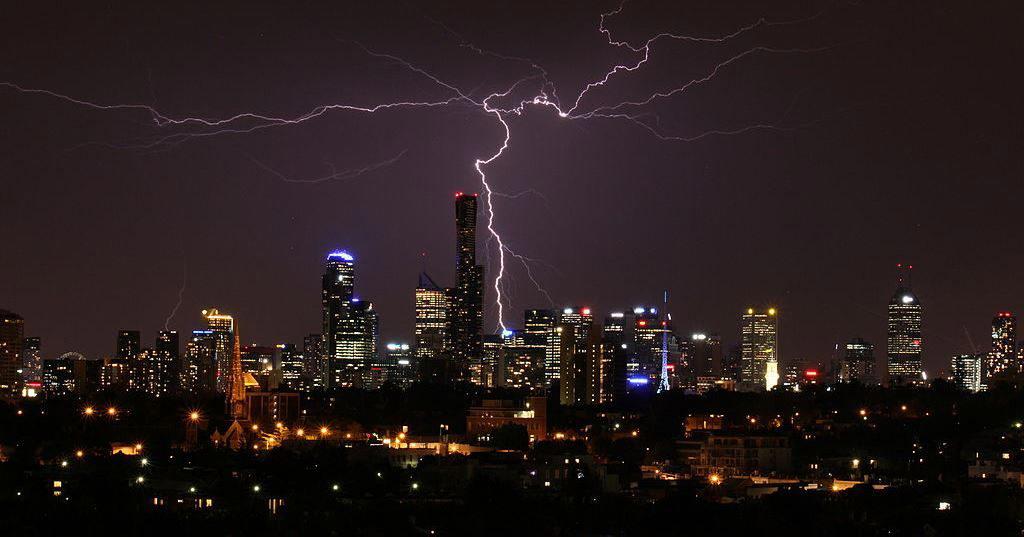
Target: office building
(12,335)
(965,372)
(289,360)
(349,324)
(858,363)
(903,344)
(431,319)
(222,327)
(759,343)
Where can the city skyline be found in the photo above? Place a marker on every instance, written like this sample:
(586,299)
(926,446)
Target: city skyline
(722,218)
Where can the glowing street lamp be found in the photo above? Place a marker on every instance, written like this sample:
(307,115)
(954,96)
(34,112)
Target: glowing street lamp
(111,411)
(89,411)
(324,431)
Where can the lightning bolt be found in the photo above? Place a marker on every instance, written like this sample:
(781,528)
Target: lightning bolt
(544,95)
(181,294)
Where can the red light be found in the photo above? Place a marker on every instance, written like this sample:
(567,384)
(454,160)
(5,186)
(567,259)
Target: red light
(641,323)
(458,194)
(586,311)
(811,373)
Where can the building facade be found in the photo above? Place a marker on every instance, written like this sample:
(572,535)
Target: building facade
(903,342)
(1002,358)
(12,336)
(465,313)
(759,342)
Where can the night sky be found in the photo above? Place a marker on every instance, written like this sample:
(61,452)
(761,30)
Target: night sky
(905,145)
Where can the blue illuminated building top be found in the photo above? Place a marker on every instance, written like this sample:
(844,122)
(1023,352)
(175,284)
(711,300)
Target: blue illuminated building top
(340,254)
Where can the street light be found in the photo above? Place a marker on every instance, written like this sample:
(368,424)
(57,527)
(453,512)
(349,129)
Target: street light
(324,431)
(111,411)
(89,410)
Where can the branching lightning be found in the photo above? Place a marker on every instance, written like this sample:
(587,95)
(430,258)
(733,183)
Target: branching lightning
(543,95)
(181,295)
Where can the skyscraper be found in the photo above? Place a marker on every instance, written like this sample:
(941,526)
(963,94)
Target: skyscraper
(32,360)
(859,362)
(129,343)
(759,341)
(314,362)
(465,317)
(1001,358)
(290,362)
(223,327)
(431,319)
(12,334)
(575,355)
(966,371)
(165,373)
(349,324)
(539,331)
(199,371)
(903,344)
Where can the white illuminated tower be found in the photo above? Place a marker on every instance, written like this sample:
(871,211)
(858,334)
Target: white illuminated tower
(903,345)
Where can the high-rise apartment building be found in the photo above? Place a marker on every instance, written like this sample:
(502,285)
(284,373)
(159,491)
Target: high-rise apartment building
(1002,358)
(199,371)
(314,362)
(32,360)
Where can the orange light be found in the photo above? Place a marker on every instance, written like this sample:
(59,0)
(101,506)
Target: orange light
(324,431)
(89,411)
(300,432)
(194,416)
(79,454)
(111,411)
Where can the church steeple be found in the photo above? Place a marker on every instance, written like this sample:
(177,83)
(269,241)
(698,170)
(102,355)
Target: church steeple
(236,401)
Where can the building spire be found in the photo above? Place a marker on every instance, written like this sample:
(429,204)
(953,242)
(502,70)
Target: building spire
(237,394)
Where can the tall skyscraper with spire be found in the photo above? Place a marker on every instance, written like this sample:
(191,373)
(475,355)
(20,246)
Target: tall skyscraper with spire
(903,344)
(465,317)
